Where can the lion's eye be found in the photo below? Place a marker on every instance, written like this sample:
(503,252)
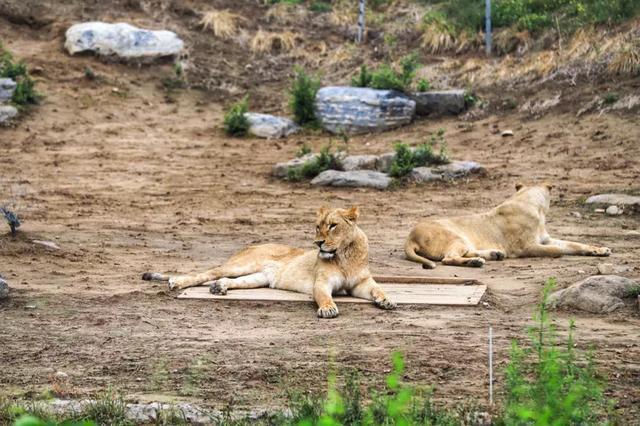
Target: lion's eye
(333,225)
(317,228)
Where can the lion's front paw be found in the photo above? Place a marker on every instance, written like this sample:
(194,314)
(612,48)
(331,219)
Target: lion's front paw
(218,287)
(385,304)
(328,311)
(602,251)
(498,255)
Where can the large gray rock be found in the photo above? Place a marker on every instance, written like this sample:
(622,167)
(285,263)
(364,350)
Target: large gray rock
(7,112)
(439,102)
(458,169)
(282,169)
(355,110)
(596,294)
(614,199)
(4,289)
(359,162)
(122,40)
(356,178)
(270,126)
(424,174)
(7,87)
(385,161)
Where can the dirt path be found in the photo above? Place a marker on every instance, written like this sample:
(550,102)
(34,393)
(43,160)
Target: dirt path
(124,181)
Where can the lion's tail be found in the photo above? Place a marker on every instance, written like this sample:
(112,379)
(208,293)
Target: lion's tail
(410,250)
(155,276)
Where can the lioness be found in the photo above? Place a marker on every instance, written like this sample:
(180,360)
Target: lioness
(340,263)
(515,228)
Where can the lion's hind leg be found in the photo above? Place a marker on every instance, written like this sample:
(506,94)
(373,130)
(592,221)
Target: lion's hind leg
(491,254)
(459,254)
(256,280)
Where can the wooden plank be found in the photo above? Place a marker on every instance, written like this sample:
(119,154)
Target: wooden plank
(399,293)
(424,280)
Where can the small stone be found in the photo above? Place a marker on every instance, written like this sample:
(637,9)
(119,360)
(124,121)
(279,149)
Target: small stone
(613,211)
(385,161)
(614,199)
(30,306)
(7,87)
(577,215)
(596,294)
(356,178)
(457,169)
(282,169)
(4,289)
(605,269)
(506,133)
(599,210)
(270,126)
(7,112)
(359,162)
(424,174)
(61,375)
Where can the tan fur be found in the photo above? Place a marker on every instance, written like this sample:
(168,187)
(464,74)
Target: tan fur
(341,263)
(515,228)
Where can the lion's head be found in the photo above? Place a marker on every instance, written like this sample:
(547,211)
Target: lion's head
(335,229)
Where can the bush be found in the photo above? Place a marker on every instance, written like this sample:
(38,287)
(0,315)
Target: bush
(547,384)
(362,79)
(407,159)
(302,97)
(387,78)
(235,122)
(423,85)
(25,93)
(326,160)
(320,7)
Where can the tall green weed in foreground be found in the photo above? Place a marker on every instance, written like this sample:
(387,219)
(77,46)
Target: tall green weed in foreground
(547,384)
(302,97)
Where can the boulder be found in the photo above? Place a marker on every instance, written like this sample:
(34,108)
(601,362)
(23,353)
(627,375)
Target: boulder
(282,169)
(596,294)
(615,199)
(4,289)
(458,169)
(424,174)
(356,178)
(385,161)
(355,110)
(270,126)
(439,102)
(122,40)
(7,87)
(359,162)
(7,112)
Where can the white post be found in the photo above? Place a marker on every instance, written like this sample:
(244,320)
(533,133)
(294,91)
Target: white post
(361,22)
(487,34)
(490,365)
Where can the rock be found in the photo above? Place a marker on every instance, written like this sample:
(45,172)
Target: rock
(439,102)
(614,199)
(611,269)
(457,169)
(577,215)
(613,211)
(281,169)
(4,289)
(385,161)
(506,133)
(355,110)
(48,244)
(356,178)
(424,174)
(270,126)
(599,210)
(122,40)
(596,294)
(359,162)
(7,112)
(7,87)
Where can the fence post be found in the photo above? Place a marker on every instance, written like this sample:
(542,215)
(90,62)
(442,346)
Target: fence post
(487,33)
(360,35)
(490,365)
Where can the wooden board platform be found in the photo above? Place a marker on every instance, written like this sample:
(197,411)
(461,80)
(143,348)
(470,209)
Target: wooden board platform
(418,294)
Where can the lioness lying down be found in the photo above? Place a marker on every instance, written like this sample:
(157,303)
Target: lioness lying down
(515,228)
(340,263)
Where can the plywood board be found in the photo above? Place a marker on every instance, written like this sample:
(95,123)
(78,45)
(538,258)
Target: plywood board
(419,294)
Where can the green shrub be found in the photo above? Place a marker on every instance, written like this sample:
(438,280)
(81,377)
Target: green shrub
(610,98)
(406,159)
(25,93)
(235,122)
(320,7)
(304,150)
(547,384)
(423,85)
(362,79)
(386,77)
(326,160)
(302,97)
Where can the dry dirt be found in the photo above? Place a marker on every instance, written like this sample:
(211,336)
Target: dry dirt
(126,180)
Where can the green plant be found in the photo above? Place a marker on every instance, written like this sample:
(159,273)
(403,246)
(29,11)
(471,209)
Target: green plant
(362,79)
(547,384)
(235,121)
(423,85)
(319,6)
(304,150)
(89,74)
(406,158)
(302,97)
(470,99)
(632,292)
(610,98)
(24,93)
(28,420)
(326,160)
(108,408)
(386,77)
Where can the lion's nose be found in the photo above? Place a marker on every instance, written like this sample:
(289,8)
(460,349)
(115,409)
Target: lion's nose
(319,243)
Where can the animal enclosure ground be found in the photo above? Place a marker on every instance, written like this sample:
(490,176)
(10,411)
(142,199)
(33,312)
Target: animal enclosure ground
(128,180)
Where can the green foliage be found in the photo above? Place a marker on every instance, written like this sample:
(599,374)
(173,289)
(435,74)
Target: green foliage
(632,292)
(304,150)
(470,99)
(362,79)
(235,122)
(302,97)
(320,6)
(326,160)
(407,159)
(89,74)
(610,98)
(547,384)
(423,85)
(388,78)
(28,420)
(25,93)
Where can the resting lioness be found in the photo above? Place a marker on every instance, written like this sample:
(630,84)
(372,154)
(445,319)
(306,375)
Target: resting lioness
(515,228)
(341,263)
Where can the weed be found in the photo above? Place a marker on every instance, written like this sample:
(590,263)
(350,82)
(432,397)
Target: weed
(302,97)
(632,292)
(89,74)
(175,81)
(388,78)
(362,79)
(470,99)
(159,376)
(610,98)
(423,85)
(326,160)
(235,122)
(304,150)
(406,158)
(320,6)
(24,93)
(222,23)
(108,408)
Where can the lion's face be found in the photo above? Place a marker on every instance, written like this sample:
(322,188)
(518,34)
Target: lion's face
(335,229)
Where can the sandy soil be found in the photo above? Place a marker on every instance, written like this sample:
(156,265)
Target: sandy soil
(126,180)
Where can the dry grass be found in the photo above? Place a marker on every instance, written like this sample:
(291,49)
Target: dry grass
(437,39)
(287,14)
(511,40)
(222,23)
(626,61)
(266,41)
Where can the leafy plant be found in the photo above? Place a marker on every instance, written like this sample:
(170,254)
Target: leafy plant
(320,6)
(386,77)
(610,98)
(423,85)
(24,93)
(362,79)
(235,122)
(326,160)
(470,99)
(304,150)
(89,74)
(547,384)
(406,158)
(302,97)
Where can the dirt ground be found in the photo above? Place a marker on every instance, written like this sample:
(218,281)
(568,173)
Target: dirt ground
(125,180)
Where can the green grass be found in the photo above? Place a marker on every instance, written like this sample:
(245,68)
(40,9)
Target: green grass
(406,159)
(385,77)
(326,160)
(235,122)
(25,93)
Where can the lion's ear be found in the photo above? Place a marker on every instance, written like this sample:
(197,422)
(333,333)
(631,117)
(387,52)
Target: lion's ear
(519,186)
(322,211)
(352,213)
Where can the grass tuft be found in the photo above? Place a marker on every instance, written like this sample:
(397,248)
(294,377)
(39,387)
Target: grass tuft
(222,23)
(235,122)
